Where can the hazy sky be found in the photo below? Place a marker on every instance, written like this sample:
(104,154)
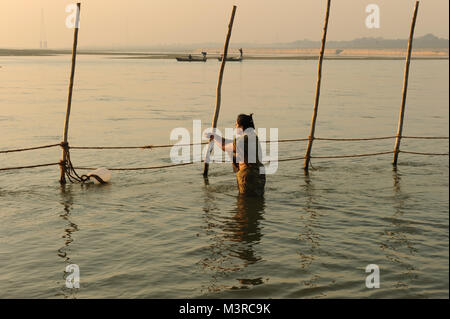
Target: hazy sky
(151,22)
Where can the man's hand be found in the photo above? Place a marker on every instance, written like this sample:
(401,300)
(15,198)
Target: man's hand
(209,135)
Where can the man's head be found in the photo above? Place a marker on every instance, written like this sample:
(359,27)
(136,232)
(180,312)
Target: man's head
(245,121)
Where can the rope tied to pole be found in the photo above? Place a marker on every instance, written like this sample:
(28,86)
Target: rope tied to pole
(28,148)
(204,143)
(219,92)
(405,86)
(67,166)
(423,153)
(317,95)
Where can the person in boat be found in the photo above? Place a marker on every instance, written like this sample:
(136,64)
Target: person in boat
(190,56)
(246,151)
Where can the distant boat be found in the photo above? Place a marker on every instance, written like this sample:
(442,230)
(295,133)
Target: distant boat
(234,59)
(191,58)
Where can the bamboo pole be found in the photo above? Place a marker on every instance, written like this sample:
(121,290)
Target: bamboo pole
(319,78)
(405,87)
(62,179)
(219,92)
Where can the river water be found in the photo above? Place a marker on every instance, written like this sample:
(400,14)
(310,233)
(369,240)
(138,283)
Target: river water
(167,234)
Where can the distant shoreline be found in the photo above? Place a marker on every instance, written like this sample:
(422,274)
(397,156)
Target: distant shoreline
(251,54)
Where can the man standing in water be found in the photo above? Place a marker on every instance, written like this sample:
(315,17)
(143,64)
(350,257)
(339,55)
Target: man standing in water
(246,152)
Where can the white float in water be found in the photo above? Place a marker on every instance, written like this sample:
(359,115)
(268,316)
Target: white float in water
(100,175)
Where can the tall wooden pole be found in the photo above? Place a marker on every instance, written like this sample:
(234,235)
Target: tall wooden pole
(62,179)
(219,92)
(319,78)
(405,87)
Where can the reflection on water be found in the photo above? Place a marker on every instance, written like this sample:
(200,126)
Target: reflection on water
(308,237)
(396,244)
(232,241)
(70,227)
(331,225)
